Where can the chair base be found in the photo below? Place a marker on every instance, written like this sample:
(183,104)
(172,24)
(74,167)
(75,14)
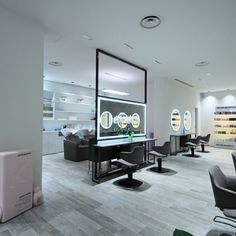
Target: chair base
(205,151)
(219,219)
(158,170)
(190,155)
(127,183)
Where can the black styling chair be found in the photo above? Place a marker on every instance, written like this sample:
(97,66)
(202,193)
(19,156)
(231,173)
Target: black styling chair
(193,144)
(234,159)
(129,162)
(159,152)
(224,189)
(203,142)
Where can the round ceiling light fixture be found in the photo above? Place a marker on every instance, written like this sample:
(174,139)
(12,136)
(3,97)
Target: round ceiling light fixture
(150,22)
(202,63)
(55,63)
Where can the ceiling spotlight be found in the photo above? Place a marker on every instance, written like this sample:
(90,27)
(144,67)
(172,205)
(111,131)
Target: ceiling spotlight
(150,22)
(202,63)
(72,82)
(208,74)
(55,63)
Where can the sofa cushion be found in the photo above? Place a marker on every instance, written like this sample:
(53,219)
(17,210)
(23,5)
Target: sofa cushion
(74,139)
(84,141)
(82,133)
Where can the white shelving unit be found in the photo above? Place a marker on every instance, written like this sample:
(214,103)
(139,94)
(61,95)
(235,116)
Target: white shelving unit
(68,107)
(48,106)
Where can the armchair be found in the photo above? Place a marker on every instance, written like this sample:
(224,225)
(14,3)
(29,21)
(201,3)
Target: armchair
(129,162)
(76,149)
(204,141)
(159,152)
(224,190)
(193,144)
(234,159)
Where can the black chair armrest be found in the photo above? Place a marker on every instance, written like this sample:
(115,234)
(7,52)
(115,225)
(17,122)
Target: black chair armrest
(231,183)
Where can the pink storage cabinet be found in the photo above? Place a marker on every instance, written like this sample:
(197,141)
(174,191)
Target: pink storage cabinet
(15,183)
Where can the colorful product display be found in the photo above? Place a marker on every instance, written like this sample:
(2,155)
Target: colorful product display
(225,126)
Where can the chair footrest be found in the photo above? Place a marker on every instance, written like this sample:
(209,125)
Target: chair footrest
(124,163)
(154,153)
(191,144)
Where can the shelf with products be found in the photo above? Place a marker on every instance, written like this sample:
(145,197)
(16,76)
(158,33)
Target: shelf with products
(48,106)
(67,106)
(225,126)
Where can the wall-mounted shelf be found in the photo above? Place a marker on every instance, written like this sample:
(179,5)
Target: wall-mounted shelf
(67,106)
(225,126)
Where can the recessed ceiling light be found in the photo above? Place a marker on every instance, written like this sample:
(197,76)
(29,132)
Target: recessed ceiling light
(129,46)
(208,74)
(150,22)
(55,63)
(202,63)
(85,36)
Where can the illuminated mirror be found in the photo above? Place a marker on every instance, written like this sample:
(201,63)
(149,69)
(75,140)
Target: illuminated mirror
(187,120)
(122,120)
(106,120)
(120,116)
(135,121)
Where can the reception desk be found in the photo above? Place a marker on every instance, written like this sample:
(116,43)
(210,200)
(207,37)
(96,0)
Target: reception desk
(177,142)
(117,145)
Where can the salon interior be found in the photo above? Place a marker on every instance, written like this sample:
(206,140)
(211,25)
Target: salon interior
(118,118)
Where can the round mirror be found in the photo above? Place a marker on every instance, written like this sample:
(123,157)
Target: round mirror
(135,120)
(122,120)
(187,120)
(106,120)
(175,120)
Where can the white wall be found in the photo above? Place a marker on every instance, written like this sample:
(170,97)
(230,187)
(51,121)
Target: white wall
(21,67)
(208,103)
(163,97)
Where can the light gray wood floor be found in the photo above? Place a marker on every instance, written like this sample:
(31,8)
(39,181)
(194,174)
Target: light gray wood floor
(75,206)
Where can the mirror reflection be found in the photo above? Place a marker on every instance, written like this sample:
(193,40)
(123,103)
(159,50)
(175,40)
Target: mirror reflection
(118,79)
(106,120)
(122,120)
(175,120)
(187,120)
(135,120)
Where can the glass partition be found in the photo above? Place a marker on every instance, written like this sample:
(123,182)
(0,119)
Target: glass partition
(120,79)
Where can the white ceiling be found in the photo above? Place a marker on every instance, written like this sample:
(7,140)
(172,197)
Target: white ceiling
(191,31)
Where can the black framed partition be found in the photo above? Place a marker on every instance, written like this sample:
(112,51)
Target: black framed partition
(123,83)
(121,96)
